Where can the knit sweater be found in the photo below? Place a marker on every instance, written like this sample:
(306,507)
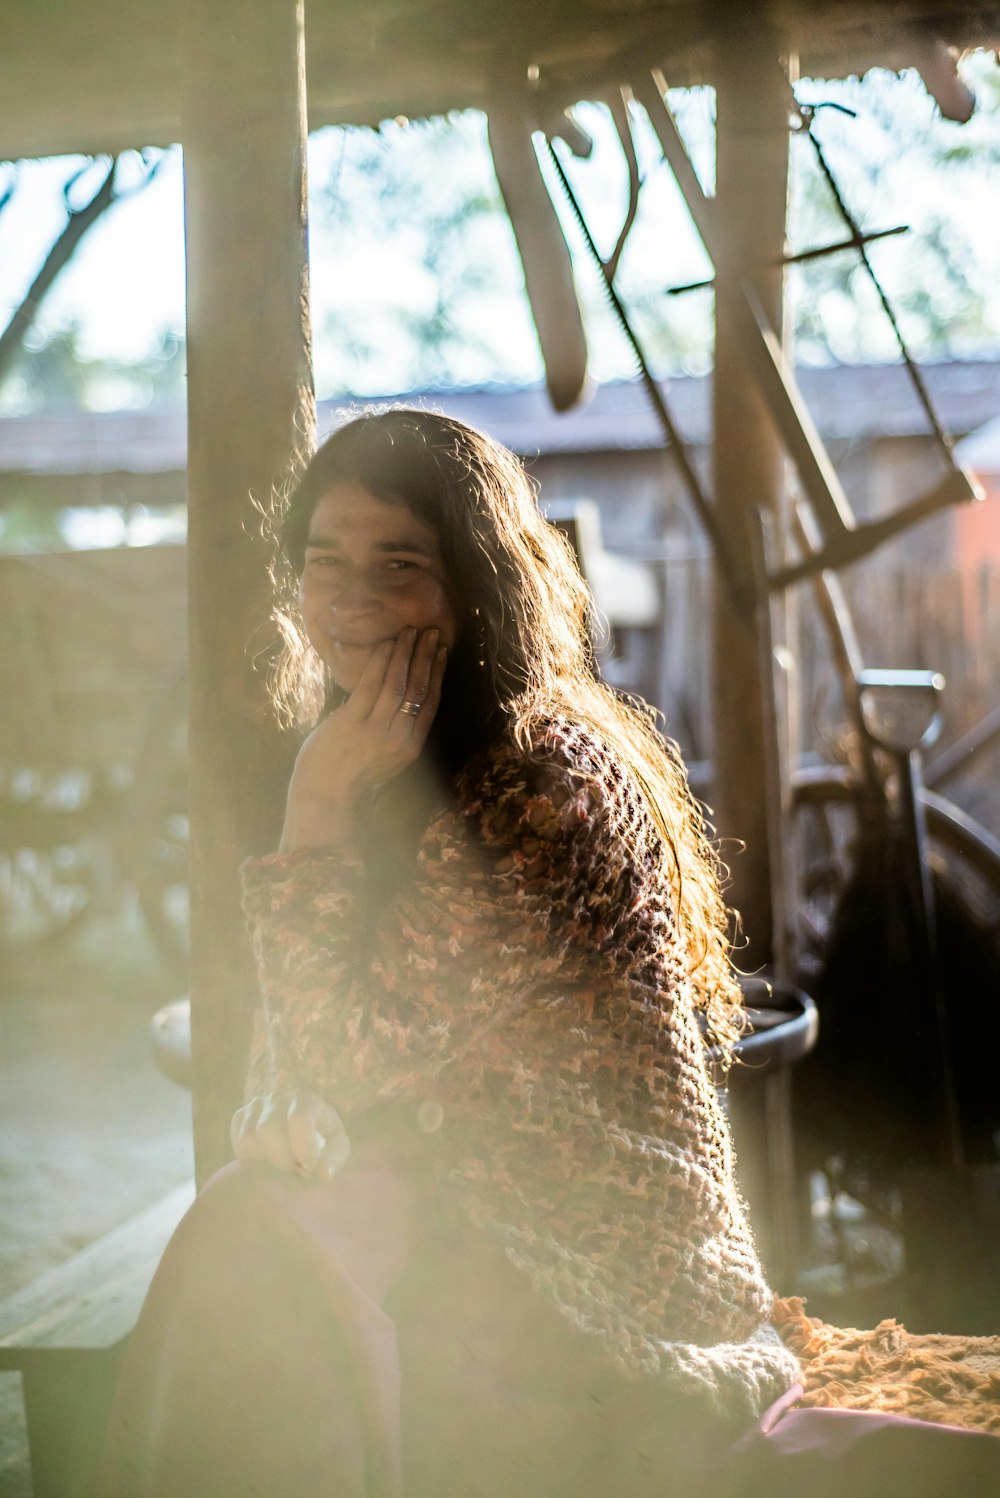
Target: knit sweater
(531,980)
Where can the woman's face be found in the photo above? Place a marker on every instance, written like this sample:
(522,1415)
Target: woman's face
(371,570)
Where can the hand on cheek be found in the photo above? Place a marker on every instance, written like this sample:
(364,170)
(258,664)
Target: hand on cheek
(378,732)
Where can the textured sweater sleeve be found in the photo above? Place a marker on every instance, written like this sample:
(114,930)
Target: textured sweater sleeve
(302,911)
(366,1003)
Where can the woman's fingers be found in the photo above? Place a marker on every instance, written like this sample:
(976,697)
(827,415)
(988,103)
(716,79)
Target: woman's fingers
(242,1129)
(366,693)
(435,680)
(304,1139)
(421,721)
(336,1150)
(400,680)
(376,733)
(317,1136)
(393,693)
(402,703)
(292,1131)
(314,1128)
(418,681)
(245,1131)
(272,1133)
(334,1156)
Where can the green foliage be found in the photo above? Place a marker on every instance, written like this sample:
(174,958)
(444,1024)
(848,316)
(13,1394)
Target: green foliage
(422,277)
(416,280)
(415,274)
(898,162)
(51,372)
(26,525)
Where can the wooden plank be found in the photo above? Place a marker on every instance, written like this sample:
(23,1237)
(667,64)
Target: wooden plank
(738,247)
(754,97)
(250,405)
(85,75)
(91,1302)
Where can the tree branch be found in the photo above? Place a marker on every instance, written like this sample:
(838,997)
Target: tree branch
(79,222)
(8,189)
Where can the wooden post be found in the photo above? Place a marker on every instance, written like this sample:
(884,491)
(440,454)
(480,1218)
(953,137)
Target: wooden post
(753,101)
(250,403)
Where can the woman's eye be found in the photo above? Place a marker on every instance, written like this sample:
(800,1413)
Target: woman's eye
(399,564)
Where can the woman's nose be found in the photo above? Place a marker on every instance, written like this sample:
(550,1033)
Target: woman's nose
(350,592)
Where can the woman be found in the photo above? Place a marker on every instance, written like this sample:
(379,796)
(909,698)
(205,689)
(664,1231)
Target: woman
(482,1151)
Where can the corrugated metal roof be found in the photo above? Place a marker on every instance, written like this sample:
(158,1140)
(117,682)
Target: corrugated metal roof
(849,403)
(77,442)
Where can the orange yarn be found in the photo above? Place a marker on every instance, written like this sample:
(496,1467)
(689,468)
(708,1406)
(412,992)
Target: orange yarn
(944,1379)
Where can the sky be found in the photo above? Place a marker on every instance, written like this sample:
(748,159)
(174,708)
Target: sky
(125,286)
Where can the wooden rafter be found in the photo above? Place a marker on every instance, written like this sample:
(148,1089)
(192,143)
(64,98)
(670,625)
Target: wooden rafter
(105,75)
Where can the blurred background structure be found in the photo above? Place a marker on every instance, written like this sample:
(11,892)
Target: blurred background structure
(788,236)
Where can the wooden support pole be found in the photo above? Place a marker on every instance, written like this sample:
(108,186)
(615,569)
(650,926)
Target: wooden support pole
(250,403)
(751,191)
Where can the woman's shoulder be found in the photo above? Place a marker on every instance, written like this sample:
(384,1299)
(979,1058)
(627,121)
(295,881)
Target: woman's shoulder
(545,752)
(560,773)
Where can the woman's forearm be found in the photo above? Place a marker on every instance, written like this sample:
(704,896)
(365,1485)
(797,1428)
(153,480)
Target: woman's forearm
(313,821)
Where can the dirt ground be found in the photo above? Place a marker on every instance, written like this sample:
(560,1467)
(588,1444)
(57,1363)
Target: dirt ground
(90,1132)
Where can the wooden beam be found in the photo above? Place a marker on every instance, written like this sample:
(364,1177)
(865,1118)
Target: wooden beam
(250,403)
(753,99)
(102,75)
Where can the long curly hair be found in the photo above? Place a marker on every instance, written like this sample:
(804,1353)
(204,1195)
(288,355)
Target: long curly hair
(524,649)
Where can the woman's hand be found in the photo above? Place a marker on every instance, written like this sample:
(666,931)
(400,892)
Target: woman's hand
(294,1131)
(379,731)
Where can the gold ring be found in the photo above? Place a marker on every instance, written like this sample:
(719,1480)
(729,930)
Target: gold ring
(412,708)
